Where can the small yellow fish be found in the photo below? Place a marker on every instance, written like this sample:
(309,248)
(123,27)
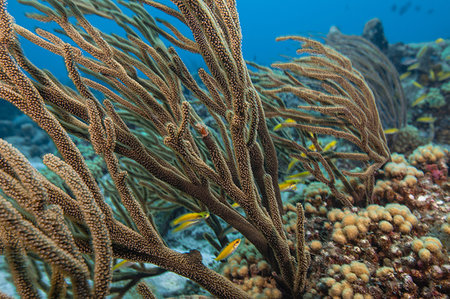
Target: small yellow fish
(235,205)
(330,145)
(122,264)
(278,127)
(404,75)
(439,40)
(422,51)
(390,131)
(443,75)
(292,163)
(432,75)
(426,119)
(185,225)
(228,250)
(419,100)
(187,220)
(299,175)
(190,217)
(293,181)
(312,147)
(287,121)
(413,66)
(417,84)
(287,186)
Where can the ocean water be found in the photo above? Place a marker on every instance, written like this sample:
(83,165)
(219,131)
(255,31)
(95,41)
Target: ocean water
(418,32)
(404,21)
(262,21)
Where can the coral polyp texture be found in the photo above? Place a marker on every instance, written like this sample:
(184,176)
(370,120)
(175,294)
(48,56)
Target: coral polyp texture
(379,251)
(400,244)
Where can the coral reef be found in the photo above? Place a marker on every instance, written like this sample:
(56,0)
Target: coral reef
(405,140)
(398,247)
(248,269)
(401,180)
(140,140)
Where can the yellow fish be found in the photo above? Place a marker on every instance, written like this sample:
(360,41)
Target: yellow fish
(422,51)
(287,186)
(292,163)
(235,205)
(299,175)
(187,220)
(439,40)
(228,250)
(419,100)
(190,217)
(330,145)
(426,119)
(417,84)
(293,181)
(413,66)
(443,75)
(390,131)
(122,264)
(287,121)
(185,225)
(312,147)
(432,75)
(404,75)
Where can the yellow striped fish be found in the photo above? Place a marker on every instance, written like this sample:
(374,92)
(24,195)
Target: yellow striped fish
(417,84)
(293,181)
(228,250)
(287,186)
(419,100)
(287,121)
(404,75)
(432,75)
(413,66)
(330,145)
(122,264)
(189,217)
(426,119)
(422,51)
(443,75)
(390,131)
(187,220)
(292,163)
(311,147)
(185,225)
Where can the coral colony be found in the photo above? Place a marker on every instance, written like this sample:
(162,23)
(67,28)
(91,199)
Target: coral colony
(249,181)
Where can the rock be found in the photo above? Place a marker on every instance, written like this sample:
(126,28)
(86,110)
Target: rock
(374,32)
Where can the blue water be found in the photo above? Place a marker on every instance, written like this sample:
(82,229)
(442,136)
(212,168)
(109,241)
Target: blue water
(262,21)
(408,21)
